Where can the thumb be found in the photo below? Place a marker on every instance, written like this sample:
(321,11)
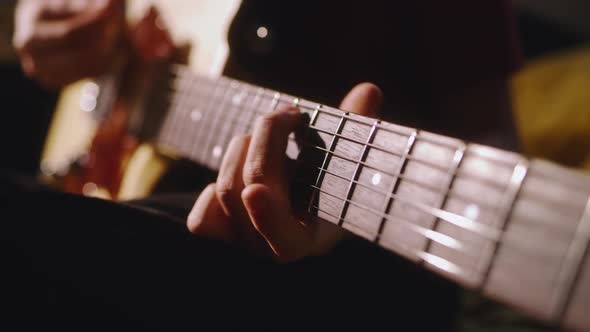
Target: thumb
(364,99)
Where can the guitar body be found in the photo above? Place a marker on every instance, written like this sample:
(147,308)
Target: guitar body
(97,155)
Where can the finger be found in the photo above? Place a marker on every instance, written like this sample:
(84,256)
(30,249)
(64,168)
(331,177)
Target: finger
(265,161)
(229,180)
(271,215)
(364,99)
(208,219)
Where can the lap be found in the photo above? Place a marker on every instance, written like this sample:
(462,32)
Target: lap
(135,264)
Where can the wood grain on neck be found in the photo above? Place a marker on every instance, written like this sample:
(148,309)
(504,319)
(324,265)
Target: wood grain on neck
(516,229)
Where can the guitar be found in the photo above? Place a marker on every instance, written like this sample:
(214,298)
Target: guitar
(513,228)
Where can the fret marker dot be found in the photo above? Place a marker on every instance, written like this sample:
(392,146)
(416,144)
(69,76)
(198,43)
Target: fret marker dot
(217,151)
(376,179)
(237,99)
(196,115)
(471,211)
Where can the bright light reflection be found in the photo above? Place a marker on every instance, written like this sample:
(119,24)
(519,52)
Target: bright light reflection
(262,32)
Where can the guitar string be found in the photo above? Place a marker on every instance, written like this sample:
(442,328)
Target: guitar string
(464,174)
(381,214)
(341,114)
(395,154)
(421,184)
(261,112)
(401,176)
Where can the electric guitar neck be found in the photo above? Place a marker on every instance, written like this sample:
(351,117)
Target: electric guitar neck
(514,228)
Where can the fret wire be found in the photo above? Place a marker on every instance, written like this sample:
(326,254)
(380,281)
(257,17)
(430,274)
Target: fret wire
(176,135)
(275,101)
(205,86)
(377,147)
(412,158)
(197,149)
(314,115)
(253,109)
(355,119)
(232,120)
(327,157)
(216,126)
(312,121)
(438,143)
(316,112)
(575,259)
(395,183)
(188,124)
(388,173)
(511,243)
(381,127)
(438,237)
(167,130)
(355,175)
(430,164)
(484,231)
(241,109)
(405,178)
(366,121)
(227,129)
(464,174)
(437,261)
(452,175)
(384,193)
(509,200)
(215,112)
(401,176)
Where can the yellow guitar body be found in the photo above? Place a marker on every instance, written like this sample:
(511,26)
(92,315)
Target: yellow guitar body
(203,25)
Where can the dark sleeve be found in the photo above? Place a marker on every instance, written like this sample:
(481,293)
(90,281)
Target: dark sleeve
(461,42)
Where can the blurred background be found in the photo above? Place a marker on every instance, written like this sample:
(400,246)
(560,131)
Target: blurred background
(550,92)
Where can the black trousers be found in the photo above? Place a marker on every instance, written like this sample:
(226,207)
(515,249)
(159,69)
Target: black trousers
(77,263)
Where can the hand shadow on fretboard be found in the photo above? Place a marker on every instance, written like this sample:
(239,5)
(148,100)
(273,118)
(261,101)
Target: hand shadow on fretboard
(305,169)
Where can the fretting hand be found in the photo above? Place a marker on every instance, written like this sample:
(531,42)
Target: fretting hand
(250,204)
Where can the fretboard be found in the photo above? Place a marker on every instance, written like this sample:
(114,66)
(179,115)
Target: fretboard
(514,228)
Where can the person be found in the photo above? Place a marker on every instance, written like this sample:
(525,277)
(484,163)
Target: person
(251,263)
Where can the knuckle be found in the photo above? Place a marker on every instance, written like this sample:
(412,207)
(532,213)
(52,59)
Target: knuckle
(225,191)
(254,171)
(239,140)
